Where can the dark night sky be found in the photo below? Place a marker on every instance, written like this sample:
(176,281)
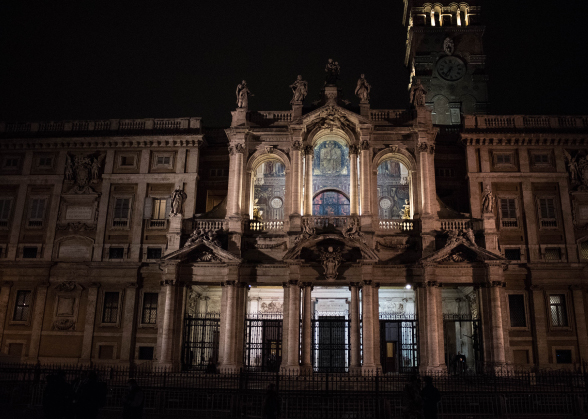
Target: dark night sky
(97,59)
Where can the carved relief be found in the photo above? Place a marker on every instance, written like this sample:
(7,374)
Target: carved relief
(422,147)
(64,324)
(83,170)
(578,170)
(354,149)
(66,286)
(297,145)
(271,307)
(207,256)
(331,259)
(364,145)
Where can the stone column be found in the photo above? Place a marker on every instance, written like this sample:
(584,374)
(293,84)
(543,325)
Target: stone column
(102,217)
(295,174)
(228,333)
(128,323)
(364,161)
(168,288)
(580,316)
(285,325)
(241,309)
(38,317)
(308,187)
(235,189)
(422,149)
(531,221)
(353,152)
(376,324)
(498,355)
(223,325)
(137,223)
(89,323)
(294,327)
(355,343)
(306,365)
(368,366)
(539,315)
(4,298)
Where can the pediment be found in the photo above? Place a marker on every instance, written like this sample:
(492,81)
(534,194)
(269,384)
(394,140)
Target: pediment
(202,251)
(462,250)
(333,114)
(312,247)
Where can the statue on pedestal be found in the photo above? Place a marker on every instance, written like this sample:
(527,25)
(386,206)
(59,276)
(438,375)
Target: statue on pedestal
(243,94)
(488,201)
(300,89)
(362,91)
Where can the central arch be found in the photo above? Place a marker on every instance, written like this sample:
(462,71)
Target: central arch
(331,202)
(331,176)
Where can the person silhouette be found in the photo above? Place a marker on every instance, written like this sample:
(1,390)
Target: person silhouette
(431,397)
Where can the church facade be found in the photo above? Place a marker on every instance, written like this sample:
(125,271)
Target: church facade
(325,238)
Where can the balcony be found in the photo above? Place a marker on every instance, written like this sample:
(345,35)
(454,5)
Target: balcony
(401,226)
(270,226)
(157,224)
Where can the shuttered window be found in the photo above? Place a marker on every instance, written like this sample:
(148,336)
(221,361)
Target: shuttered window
(508,212)
(547,212)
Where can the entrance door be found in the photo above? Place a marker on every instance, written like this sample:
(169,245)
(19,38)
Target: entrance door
(330,343)
(263,344)
(201,342)
(398,345)
(463,344)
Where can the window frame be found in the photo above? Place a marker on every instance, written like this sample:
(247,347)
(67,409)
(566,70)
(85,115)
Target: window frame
(102,302)
(114,219)
(526,308)
(554,350)
(504,167)
(521,248)
(562,252)
(142,308)
(10,200)
(156,166)
(541,219)
(146,249)
(32,199)
(107,247)
(515,198)
(12,306)
(14,169)
(96,354)
(568,312)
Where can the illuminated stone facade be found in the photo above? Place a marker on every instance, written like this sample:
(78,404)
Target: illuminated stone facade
(332,237)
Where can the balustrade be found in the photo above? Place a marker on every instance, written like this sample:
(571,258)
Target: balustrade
(525,122)
(210,224)
(257,226)
(456,224)
(398,225)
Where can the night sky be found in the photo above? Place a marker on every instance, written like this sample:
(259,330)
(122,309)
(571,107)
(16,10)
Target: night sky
(97,59)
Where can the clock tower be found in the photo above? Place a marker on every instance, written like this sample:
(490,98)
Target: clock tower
(444,50)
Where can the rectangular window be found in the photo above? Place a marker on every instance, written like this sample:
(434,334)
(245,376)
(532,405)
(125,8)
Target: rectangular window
(122,207)
(557,306)
(158,209)
(5,207)
(45,161)
(153,253)
(149,312)
(127,161)
(541,159)
(512,254)
(116,253)
(37,212)
(552,254)
(516,304)
(547,212)
(106,352)
(445,172)
(163,160)
(584,250)
(146,353)
(508,212)
(22,306)
(503,158)
(29,252)
(11,162)
(110,311)
(563,356)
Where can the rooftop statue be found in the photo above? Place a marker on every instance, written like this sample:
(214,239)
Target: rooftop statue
(300,89)
(418,94)
(332,69)
(362,91)
(242,95)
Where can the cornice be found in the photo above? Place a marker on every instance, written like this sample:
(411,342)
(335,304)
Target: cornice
(176,140)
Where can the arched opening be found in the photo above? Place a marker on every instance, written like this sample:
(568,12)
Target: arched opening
(269,187)
(331,203)
(394,201)
(331,177)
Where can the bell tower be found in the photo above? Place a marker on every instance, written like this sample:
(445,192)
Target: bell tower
(444,50)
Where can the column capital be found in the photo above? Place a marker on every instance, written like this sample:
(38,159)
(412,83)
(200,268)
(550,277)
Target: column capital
(95,285)
(536,288)
(132,285)
(354,149)
(285,285)
(499,284)
(297,145)
(306,285)
(433,284)
(423,147)
(230,283)
(364,145)
(168,282)
(235,149)
(308,150)
(367,282)
(354,285)
(293,282)
(577,287)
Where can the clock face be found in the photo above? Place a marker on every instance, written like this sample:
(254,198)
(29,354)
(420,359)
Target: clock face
(451,68)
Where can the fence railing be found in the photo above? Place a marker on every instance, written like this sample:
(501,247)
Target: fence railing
(525,122)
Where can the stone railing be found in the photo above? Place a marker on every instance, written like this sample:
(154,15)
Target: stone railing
(324,222)
(525,122)
(391,115)
(109,125)
(256,226)
(396,225)
(455,224)
(271,116)
(211,224)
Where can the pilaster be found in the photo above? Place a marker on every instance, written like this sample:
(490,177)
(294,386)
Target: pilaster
(285,325)
(354,324)
(306,365)
(531,222)
(497,285)
(540,327)
(129,323)
(4,298)
(308,186)
(89,323)
(137,223)
(580,317)
(19,213)
(168,285)
(353,153)
(367,323)
(38,316)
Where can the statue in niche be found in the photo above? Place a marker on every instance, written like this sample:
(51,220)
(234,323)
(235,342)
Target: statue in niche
(488,201)
(578,168)
(243,94)
(418,94)
(333,70)
(330,156)
(362,91)
(300,89)
(331,261)
(177,199)
(448,46)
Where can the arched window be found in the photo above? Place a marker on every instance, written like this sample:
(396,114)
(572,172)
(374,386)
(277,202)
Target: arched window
(331,203)
(393,189)
(269,185)
(331,173)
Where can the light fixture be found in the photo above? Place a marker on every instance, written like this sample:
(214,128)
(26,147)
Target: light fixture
(408,287)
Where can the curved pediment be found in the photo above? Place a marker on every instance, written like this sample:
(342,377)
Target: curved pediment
(202,251)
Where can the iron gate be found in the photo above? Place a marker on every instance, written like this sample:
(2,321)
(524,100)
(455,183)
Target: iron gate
(263,342)
(201,341)
(330,344)
(463,340)
(399,343)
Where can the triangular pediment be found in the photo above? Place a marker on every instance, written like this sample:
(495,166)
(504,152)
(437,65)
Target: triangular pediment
(202,251)
(314,244)
(462,250)
(335,114)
